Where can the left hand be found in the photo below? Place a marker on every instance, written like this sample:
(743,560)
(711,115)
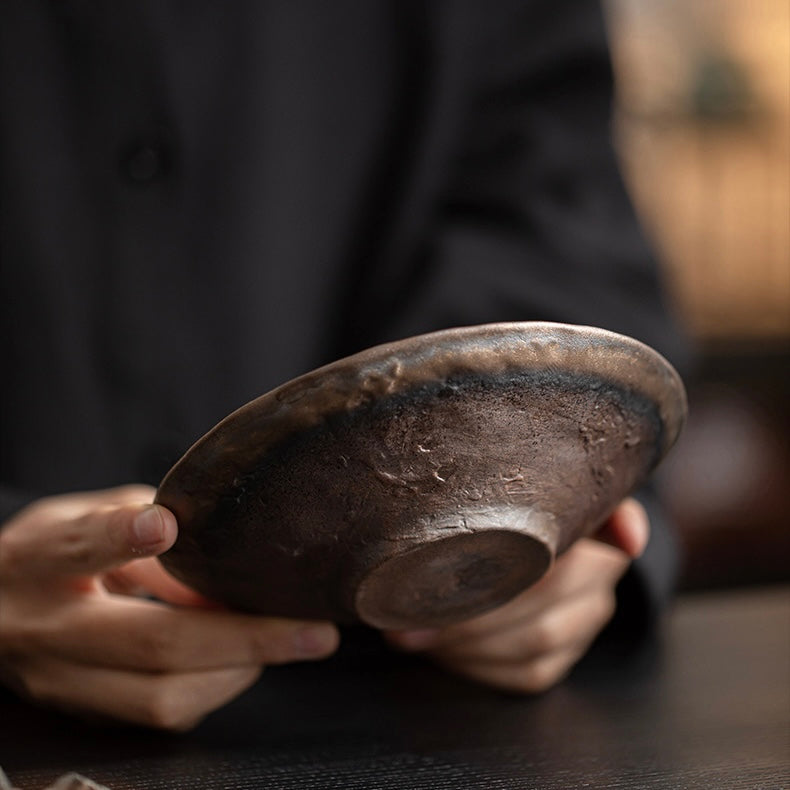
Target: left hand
(70,640)
(533,641)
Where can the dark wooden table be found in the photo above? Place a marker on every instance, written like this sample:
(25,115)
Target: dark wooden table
(705,706)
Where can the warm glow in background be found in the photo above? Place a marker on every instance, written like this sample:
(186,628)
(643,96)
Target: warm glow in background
(704,132)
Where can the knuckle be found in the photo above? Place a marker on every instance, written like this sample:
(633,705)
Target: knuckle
(534,677)
(545,635)
(167,708)
(76,549)
(539,677)
(31,684)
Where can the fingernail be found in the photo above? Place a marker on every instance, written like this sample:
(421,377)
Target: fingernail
(419,639)
(316,640)
(148,527)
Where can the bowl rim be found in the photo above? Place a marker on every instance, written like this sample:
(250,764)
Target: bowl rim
(396,367)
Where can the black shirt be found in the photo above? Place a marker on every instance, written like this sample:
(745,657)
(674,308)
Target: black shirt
(201,200)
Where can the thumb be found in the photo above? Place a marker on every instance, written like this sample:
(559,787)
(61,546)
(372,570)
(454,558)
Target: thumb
(100,538)
(627,529)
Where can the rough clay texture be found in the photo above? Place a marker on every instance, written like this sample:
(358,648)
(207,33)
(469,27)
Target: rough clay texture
(302,499)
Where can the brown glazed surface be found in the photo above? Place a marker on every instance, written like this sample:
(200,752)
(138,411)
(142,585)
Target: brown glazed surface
(421,482)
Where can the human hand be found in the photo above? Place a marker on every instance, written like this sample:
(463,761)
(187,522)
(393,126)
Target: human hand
(70,639)
(530,643)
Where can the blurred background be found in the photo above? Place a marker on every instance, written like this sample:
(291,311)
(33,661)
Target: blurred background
(703,127)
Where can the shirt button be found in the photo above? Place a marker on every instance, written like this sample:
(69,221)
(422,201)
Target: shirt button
(145,163)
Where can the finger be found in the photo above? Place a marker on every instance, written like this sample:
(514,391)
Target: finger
(47,547)
(510,615)
(149,636)
(531,677)
(148,577)
(72,505)
(586,564)
(564,626)
(627,529)
(133,494)
(166,701)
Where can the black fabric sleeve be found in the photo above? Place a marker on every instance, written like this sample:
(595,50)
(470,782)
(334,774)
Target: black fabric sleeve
(534,222)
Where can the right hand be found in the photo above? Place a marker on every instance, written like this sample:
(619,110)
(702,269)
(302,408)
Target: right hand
(70,640)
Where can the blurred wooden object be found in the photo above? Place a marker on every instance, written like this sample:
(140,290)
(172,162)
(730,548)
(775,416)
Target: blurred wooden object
(704,130)
(703,126)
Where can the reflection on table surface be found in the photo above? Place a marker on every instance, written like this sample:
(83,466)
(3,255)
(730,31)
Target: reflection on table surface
(705,705)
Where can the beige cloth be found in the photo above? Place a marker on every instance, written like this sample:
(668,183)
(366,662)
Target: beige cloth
(71,781)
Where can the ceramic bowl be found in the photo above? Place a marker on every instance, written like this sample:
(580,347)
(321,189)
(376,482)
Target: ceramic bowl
(421,482)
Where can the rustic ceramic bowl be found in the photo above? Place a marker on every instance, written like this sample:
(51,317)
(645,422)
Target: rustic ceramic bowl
(421,482)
